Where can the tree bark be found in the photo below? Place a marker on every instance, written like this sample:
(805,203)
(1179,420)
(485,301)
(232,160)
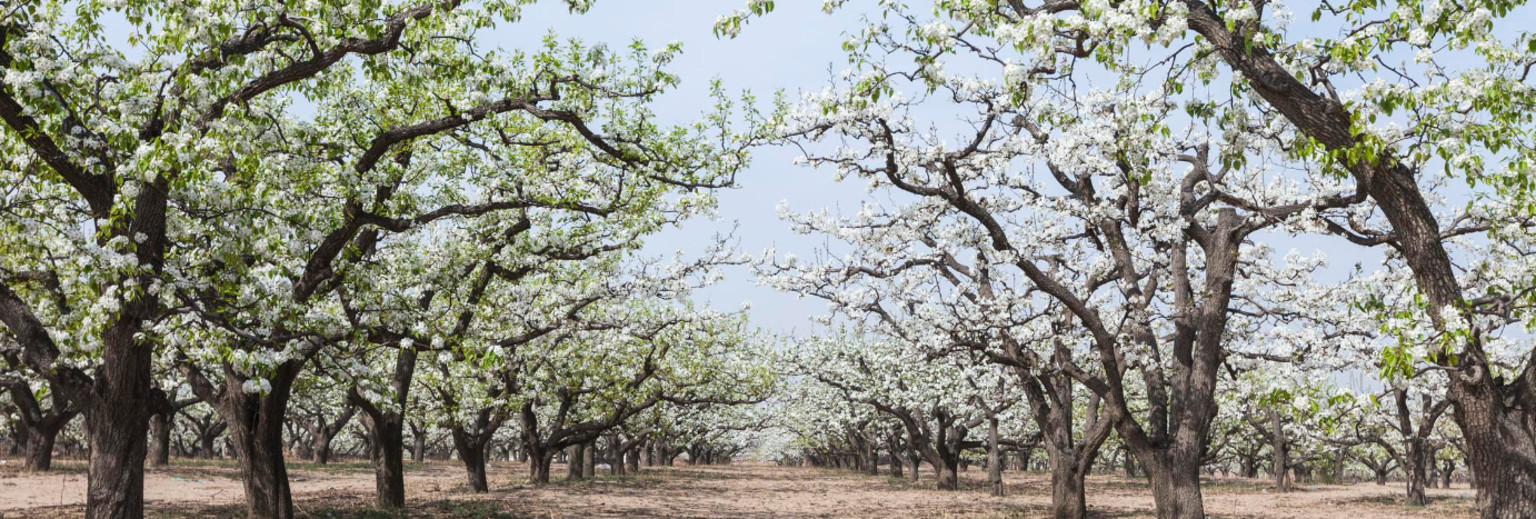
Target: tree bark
(388,463)
(1279,448)
(473,457)
(589,460)
(1068,493)
(574,457)
(419,436)
(160,439)
(539,462)
(39,447)
(1175,478)
(1416,472)
(386,427)
(994,459)
(255,425)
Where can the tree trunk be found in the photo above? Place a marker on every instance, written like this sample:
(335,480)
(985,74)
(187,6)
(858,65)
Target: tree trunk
(538,466)
(388,464)
(473,457)
(994,459)
(1279,447)
(1340,458)
(39,446)
(260,453)
(255,425)
(419,451)
(1068,495)
(321,448)
(574,456)
(160,439)
(117,423)
(1416,472)
(948,478)
(1175,479)
(589,460)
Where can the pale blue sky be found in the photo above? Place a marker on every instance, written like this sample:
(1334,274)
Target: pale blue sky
(797,47)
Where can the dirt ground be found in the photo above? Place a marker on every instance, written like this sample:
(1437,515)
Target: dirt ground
(211,489)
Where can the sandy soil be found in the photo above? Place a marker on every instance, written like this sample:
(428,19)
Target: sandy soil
(212,489)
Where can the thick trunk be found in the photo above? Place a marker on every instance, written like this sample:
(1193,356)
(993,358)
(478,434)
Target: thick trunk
(321,449)
(116,425)
(538,466)
(419,451)
(1068,498)
(471,449)
(1175,485)
(160,439)
(633,460)
(264,472)
(1500,450)
(1416,472)
(39,447)
(574,457)
(386,430)
(615,456)
(255,425)
(388,463)
(948,478)
(473,457)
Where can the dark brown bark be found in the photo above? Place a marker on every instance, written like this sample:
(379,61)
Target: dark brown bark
(1175,478)
(160,439)
(323,431)
(38,427)
(39,448)
(474,469)
(538,466)
(117,423)
(255,425)
(1279,452)
(387,454)
(1068,494)
(471,444)
(386,427)
(419,436)
(575,456)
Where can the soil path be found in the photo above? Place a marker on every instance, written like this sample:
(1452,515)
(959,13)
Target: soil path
(213,489)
